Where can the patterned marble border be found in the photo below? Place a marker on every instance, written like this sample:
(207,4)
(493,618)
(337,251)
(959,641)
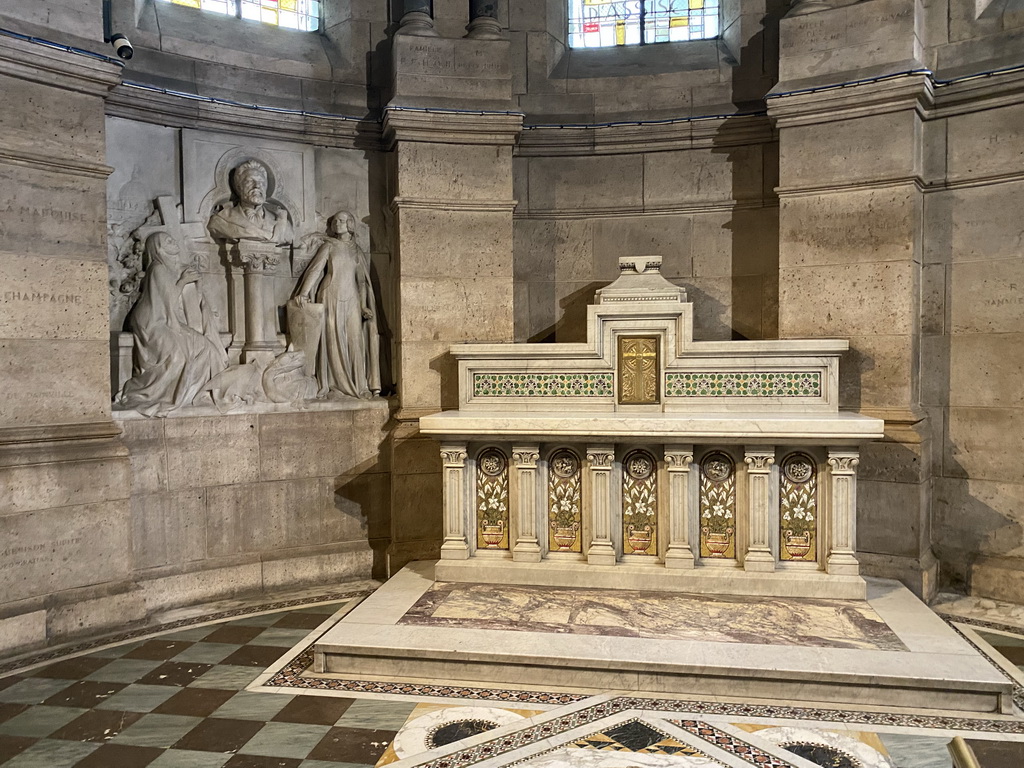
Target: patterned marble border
(212,618)
(744,384)
(730,744)
(542,385)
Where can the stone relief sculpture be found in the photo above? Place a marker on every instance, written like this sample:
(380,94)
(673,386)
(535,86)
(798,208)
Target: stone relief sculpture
(347,347)
(180,356)
(173,360)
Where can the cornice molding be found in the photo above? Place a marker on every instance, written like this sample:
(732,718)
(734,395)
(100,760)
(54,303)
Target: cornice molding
(450,127)
(57,67)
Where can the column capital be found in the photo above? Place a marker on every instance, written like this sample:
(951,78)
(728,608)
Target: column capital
(525,456)
(454,454)
(600,456)
(843,462)
(678,458)
(759,459)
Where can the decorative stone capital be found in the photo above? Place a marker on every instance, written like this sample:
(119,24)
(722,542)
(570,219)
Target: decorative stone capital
(525,456)
(844,463)
(600,458)
(454,455)
(678,458)
(258,260)
(759,461)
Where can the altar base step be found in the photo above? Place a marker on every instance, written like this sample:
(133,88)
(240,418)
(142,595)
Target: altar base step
(936,670)
(699,581)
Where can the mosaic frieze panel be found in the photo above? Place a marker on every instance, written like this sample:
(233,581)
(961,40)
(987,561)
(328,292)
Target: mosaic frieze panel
(491,500)
(798,508)
(565,502)
(639,504)
(638,365)
(744,384)
(542,385)
(718,506)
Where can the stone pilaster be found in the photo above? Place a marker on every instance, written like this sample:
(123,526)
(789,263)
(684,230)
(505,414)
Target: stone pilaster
(259,262)
(453,458)
(452,203)
(599,464)
(524,459)
(842,559)
(853,162)
(64,470)
(678,465)
(759,461)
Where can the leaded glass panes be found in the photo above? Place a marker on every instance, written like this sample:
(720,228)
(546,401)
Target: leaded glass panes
(294,14)
(606,23)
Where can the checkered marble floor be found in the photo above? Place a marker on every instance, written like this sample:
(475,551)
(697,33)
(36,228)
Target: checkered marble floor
(178,701)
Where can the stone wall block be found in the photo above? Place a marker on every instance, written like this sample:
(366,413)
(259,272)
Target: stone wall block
(298,445)
(52,550)
(169,529)
(668,236)
(263,517)
(144,439)
(986,370)
(534,242)
(468,244)
(973,516)
(454,171)
(202,586)
(22,631)
(357,508)
(711,175)
(879,530)
(210,451)
(857,299)
(54,381)
(985,444)
(46,213)
(428,377)
(878,371)
(412,519)
(857,226)
(53,298)
(586,183)
(485,309)
(29,487)
(985,142)
(987,296)
(63,113)
(328,568)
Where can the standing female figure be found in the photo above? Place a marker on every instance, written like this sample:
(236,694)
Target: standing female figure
(348,359)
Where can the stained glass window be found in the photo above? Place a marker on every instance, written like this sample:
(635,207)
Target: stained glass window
(293,14)
(606,23)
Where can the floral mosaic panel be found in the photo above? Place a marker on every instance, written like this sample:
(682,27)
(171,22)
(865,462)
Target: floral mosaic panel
(718,506)
(798,508)
(491,500)
(639,504)
(744,384)
(565,502)
(542,385)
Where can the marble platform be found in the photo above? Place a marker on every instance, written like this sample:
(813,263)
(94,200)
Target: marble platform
(889,650)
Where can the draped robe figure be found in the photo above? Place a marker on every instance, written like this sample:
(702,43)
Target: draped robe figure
(172,360)
(348,359)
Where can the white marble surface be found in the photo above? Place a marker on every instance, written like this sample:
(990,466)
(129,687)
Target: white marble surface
(939,671)
(719,426)
(415,736)
(862,754)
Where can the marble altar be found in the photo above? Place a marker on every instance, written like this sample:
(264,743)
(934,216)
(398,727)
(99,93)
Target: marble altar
(642,459)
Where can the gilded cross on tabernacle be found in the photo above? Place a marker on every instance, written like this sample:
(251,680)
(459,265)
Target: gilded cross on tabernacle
(638,370)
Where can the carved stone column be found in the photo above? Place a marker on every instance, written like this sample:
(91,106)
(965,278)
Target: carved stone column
(759,461)
(678,460)
(483,20)
(417,18)
(527,548)
(455,546)
(599,461)
(259,261)
(842,558)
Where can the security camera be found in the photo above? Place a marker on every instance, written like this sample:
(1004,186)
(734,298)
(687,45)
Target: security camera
(122,46)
